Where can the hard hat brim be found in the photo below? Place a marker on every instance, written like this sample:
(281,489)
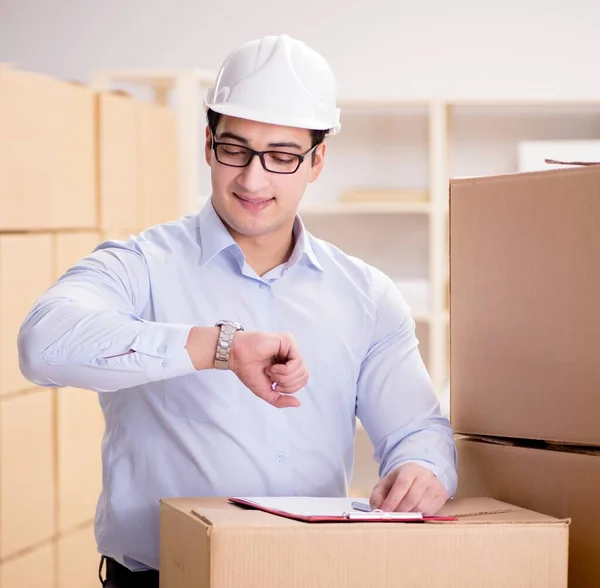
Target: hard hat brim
(273,118)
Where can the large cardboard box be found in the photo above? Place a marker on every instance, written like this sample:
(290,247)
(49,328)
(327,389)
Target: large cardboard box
(71,248)
(26,270)
(47,153)
(160,199)
(525,285)
(33,569)
(558,483)
(78,560)
(80,425)
(118,161)
(209,543)
(27,515)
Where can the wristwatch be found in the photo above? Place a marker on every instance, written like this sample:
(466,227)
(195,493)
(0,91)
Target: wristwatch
(228,330)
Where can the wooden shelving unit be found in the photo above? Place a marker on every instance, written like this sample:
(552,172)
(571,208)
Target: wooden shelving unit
(397,144)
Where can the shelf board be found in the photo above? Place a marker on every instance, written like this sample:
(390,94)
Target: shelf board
(366,208)
(501,102)
(155,78)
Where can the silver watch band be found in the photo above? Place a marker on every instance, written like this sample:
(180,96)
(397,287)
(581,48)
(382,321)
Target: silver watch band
(228,330)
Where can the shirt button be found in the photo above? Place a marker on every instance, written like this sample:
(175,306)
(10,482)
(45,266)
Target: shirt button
(166,363)
(161,349)
(280,456)
(262,286)
(101,361)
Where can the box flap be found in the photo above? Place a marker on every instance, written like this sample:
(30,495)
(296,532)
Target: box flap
(218,512)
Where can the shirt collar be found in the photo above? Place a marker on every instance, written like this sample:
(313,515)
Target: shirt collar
(303,246)
(214,238)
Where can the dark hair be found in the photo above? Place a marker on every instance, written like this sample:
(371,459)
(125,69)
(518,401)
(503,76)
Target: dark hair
(212,118)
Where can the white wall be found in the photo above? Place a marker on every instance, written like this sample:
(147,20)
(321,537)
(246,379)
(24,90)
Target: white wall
(416,48)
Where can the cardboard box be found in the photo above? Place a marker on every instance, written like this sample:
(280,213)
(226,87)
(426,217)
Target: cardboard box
(379,195)
(118,161)
(80,425)
(47,150)
(78,560)
(35,569)
(524,259)
(71,248)
(208,543)
(26,270)
(27,514)
(159,165)
(558,483)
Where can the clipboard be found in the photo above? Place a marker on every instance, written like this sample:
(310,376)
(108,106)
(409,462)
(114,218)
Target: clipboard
(311,509)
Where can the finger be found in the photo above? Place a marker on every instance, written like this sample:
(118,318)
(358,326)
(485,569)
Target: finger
(288,369)
(414,496)
(430,503)
(262,386)
(287,379)
(288,349)
(293,386)
(401,487)
(380,492)
(284,401)
(434,498)
(279,400)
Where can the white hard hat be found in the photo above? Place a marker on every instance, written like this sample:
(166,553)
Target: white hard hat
(277,80)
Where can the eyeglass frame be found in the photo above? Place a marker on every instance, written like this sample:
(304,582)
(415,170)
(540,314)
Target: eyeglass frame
(261,155)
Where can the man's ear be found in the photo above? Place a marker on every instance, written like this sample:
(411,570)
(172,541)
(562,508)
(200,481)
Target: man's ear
(319,161)
(208,152)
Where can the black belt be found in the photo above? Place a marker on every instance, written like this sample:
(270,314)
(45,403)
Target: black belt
(118,576)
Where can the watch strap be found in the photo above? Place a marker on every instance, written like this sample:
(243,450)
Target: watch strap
(228,330)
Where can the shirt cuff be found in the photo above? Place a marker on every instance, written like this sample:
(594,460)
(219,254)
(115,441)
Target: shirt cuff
(166,342)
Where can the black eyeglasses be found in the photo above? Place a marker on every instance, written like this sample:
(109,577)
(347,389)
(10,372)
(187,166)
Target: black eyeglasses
(277,162)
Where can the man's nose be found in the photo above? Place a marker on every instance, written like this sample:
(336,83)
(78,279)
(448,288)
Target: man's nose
(254,176)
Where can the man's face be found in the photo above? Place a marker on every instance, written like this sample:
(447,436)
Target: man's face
(251,200)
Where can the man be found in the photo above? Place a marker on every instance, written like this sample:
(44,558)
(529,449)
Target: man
(306,338)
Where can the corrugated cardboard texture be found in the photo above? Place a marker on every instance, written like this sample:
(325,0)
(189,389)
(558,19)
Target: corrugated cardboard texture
(224,546)
(47,171)
(557,483)
(525,285)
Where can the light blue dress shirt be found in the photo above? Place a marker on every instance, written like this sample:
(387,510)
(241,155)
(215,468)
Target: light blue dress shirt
(174,431)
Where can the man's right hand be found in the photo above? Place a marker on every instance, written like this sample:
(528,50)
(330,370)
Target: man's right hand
(258,359)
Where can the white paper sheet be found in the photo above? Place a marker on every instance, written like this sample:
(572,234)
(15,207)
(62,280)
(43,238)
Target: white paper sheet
(308,506)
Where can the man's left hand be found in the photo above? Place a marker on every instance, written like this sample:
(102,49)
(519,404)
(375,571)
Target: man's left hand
(409,487)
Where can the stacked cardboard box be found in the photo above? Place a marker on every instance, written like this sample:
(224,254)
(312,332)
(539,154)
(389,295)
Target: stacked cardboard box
(525,347)
(210,543)
(77,167)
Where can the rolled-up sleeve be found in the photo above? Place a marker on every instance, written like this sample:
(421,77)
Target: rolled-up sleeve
(87,330)
(396,401)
